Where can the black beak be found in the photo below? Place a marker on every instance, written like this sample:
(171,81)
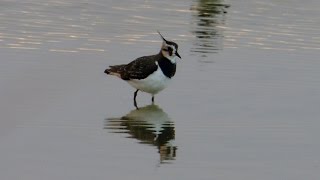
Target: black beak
(177,54)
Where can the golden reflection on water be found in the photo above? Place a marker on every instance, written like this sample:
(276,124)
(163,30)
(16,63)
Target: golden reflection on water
(274,26)
(209,25)
(150,125)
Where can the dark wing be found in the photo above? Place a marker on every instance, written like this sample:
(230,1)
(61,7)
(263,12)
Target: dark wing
(140,68)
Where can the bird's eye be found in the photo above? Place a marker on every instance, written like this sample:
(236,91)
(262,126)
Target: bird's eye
(170,49)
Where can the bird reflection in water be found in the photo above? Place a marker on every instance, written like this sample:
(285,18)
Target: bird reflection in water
(207,16)
(151,125)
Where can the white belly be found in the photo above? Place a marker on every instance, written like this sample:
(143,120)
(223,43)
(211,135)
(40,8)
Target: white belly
(153,84)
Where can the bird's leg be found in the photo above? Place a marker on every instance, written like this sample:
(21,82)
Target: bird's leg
(152,99)
(134,99)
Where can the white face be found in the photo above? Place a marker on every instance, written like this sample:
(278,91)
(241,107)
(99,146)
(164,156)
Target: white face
(169,51)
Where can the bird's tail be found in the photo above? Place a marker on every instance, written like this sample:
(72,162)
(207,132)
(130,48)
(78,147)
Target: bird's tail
(115,70)
(107,71)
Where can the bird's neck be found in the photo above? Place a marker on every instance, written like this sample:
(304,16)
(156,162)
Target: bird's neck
(167,66)
(172,59)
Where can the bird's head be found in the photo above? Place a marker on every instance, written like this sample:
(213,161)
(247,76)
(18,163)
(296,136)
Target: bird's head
(169,49)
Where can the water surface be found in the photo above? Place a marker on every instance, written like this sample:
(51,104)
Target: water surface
(243,104)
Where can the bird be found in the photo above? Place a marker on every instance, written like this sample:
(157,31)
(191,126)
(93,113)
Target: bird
(150,74)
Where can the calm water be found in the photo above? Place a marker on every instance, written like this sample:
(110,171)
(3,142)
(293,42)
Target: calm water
(244,103)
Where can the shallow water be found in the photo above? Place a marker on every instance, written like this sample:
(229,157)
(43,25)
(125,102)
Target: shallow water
(243,104)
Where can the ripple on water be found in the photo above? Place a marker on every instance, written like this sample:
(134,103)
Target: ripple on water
(207,16)
(280,26)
